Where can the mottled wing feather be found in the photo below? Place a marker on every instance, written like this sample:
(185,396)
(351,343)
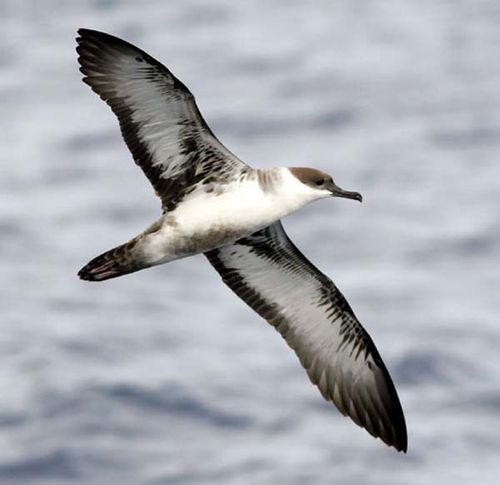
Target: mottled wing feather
(158,116)
(270,274)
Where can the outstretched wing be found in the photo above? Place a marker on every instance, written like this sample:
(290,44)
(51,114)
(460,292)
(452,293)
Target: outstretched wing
(273,277)
(158,116)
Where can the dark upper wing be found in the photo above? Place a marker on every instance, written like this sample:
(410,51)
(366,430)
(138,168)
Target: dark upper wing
(270,274)
(158,116)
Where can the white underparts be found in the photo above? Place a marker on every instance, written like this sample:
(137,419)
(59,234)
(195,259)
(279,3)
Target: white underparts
(207,220)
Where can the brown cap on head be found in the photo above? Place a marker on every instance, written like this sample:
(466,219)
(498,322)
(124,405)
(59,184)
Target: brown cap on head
(322,181)
(309,176)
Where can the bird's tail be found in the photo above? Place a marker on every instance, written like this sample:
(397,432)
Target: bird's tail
(113,263)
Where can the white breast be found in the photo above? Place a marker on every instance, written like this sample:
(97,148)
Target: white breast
(209,219)
(240,205)
(244,205)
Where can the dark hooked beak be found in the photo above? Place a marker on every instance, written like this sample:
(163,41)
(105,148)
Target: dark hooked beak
(338,192)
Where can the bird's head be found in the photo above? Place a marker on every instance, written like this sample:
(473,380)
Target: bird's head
(321,185)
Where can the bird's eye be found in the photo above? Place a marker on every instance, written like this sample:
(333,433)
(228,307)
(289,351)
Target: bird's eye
(319,182)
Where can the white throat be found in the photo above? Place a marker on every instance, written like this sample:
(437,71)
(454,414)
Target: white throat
(294,193)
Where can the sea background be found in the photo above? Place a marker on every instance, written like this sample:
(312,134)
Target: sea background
(165,377)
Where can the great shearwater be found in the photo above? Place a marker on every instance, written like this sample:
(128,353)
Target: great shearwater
(213,203)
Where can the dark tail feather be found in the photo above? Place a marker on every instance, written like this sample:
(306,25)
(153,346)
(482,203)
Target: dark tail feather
(111,264)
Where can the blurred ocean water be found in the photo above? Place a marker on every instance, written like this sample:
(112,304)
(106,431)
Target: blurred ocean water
(164,377)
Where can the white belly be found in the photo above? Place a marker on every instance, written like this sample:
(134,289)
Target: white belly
(206,220)
(246,207)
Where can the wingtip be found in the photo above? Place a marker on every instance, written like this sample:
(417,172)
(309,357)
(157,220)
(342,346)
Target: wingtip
(400,439)
(89,34)
(401,430)
(403,447)
(83,32)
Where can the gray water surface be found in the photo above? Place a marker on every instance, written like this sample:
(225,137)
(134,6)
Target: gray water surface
(164,377)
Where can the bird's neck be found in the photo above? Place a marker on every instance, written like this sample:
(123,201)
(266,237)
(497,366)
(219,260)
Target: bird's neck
(269,179)
(282,188)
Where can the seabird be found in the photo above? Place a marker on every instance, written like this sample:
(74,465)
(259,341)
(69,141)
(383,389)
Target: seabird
(215,204)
